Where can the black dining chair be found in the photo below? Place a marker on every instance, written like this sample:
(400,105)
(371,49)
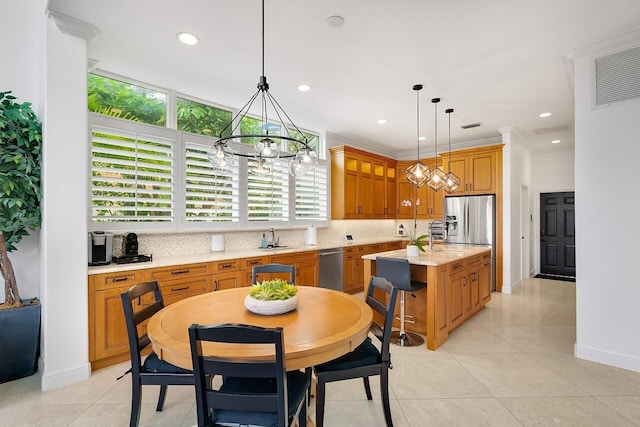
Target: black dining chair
(398,272)
(366,360)
(139,303)
(274,268)
(257,392)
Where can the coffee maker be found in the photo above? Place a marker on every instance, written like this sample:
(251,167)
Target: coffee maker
(130,244)
(100,247)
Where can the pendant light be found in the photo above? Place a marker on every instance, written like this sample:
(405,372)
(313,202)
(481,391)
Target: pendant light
(269,145)
(452,182)
(418,173)
(437,177)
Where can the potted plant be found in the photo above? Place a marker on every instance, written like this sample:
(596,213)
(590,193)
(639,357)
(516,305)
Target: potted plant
(20,159)
(416,243)
(272,297)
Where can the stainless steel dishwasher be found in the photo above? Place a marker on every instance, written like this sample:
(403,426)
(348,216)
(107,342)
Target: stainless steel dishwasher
(330,268)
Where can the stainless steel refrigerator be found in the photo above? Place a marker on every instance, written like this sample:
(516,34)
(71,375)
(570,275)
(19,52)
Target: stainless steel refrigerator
(471,220)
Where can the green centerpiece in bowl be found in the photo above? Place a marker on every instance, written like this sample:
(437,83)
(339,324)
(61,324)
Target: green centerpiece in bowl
(272,297)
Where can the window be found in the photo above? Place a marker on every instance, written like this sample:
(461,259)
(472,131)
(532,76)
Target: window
(211,195)
(132,175)
(115,98)
(147,176)
(202,119)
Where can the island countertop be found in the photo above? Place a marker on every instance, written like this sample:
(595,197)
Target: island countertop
(440,254)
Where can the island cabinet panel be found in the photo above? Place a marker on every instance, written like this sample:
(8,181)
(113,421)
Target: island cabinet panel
(305,263)
(362,187)
(484,280)
(457,289)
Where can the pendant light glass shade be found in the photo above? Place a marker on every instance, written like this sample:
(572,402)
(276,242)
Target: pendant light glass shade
(437,177)
(452,182)
(418,173)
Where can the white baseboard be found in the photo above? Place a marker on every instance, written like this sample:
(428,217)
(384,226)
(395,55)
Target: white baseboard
(61,379)
(509,289)
(607,358)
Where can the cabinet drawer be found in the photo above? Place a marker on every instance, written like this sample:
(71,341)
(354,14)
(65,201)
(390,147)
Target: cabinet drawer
(486,256)
(177,289)
(228,265)
(179,271)
(124,279)
(349,250)
(473,260)
(456,267)
(379,247)
(252,262)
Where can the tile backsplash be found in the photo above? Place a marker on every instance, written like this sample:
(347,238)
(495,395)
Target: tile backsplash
(197,243)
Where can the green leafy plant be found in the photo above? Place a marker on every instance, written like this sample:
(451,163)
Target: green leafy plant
(273,290)
(20,196)
(419,242)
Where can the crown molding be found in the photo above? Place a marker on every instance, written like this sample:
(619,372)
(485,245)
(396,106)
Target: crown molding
(621,41)
(72,26)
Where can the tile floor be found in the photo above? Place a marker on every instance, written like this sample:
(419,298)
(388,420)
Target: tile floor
(511,365)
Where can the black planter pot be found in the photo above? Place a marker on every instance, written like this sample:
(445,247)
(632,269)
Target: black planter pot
(19,341)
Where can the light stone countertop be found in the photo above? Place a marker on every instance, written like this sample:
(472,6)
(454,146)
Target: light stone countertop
(168,261)
(441,254)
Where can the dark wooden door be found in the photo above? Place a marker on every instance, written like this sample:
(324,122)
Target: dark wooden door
(557,234)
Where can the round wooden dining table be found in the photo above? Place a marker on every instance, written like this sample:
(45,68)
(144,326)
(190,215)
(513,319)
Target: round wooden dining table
(326,325)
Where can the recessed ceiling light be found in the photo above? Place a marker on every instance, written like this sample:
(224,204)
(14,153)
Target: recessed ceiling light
(304,88)
(555,141)
(187,38)
(422,138)
(335,21)
(543,115)
(381,121)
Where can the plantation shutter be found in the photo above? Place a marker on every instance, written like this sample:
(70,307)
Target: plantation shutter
(211,195)
(268,194)
(311,195)
(132,175)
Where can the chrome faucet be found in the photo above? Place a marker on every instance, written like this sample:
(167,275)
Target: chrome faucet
(274,242)
(438,224)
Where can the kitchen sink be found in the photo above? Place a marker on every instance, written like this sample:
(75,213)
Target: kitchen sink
(271,248)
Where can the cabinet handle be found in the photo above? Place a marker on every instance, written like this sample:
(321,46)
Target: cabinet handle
(254,262)
(464,281)
(179,289)
(179,272)
(119,279)
(226,265)
(297,272)
(215,285)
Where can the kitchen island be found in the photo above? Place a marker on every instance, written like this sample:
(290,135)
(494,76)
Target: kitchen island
(458,281)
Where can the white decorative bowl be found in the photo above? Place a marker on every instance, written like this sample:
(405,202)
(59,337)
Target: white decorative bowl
(259,306)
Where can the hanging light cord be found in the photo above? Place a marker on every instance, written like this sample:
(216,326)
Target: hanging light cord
(449,111)
(435,136)
(418,121)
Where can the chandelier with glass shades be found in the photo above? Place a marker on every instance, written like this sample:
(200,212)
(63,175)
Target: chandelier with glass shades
(268,148)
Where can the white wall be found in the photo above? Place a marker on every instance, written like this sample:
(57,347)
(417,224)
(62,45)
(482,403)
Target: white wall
(607,233)
(24,78)
(517,171)
(553,172)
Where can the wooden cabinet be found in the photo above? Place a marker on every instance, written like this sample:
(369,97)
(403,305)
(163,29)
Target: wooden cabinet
(226,274)
(181,281)
(431,202)
(484,279)
(353,264)
(360,182)
(306,264)
(477,169)
(247,268)
(469,280)
(107,331)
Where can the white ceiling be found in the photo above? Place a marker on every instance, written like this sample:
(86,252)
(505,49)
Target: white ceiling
(496,62)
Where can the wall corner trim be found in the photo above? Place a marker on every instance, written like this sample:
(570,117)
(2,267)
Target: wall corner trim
(72,26)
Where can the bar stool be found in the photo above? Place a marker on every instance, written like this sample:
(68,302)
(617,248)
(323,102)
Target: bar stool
(397,272)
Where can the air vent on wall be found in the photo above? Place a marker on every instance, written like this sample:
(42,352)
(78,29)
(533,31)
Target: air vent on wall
(470,125)
(552,129)
(617,77)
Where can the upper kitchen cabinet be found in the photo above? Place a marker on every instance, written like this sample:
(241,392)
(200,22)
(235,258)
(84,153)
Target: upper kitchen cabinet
(430,206)
(477,168)
(362,185)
